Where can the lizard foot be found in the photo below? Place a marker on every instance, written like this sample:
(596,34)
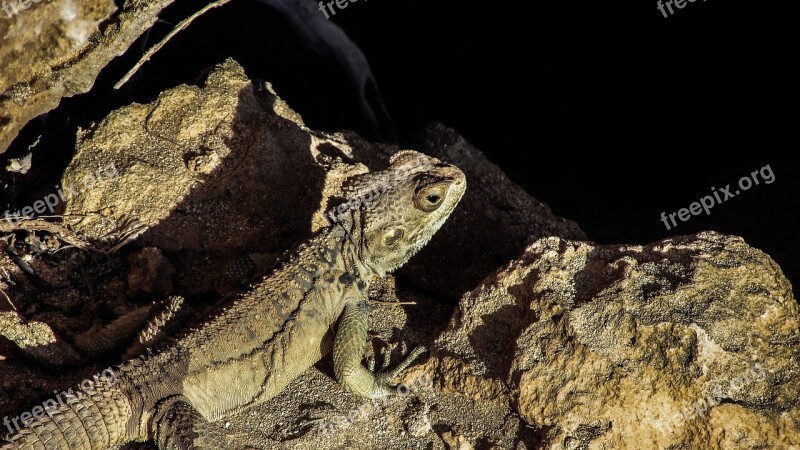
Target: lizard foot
(178,426)
(386,375)
(385,353)
(348,350)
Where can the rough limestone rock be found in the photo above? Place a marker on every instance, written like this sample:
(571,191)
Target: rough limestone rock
(691,342)
(54,49)
(229,169)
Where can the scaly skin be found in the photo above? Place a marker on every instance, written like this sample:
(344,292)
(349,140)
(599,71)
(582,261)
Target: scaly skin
(250,351)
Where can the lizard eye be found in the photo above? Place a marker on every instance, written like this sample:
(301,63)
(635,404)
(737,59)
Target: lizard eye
(430,198)
(391,237)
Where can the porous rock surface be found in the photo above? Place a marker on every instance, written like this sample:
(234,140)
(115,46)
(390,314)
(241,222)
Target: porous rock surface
(229,168)
(556,343)
(52,49)
(690,342)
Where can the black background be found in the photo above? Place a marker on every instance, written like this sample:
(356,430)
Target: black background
(607,111)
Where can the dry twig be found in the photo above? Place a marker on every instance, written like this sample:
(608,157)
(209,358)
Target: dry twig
(185,23)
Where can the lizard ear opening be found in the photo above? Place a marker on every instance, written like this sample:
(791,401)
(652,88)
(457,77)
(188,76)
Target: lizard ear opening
(391,237)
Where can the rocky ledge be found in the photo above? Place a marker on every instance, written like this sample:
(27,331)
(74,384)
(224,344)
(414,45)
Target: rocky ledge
(555,342)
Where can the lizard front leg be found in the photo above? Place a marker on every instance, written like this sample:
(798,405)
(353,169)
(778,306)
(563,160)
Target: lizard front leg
(348,351)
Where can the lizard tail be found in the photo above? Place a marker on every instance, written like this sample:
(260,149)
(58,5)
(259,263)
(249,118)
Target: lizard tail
(91,418)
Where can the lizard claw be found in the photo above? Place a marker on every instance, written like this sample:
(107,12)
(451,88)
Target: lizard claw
(385,357)
(387,375)
(386,354)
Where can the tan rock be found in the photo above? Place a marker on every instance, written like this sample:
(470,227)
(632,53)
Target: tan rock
(690,342)
(228,168)
(56,49)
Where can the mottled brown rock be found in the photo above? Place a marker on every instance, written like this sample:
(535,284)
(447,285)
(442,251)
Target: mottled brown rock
(691,342)
(210,173)
(228,168)
(56,49)
(36,339)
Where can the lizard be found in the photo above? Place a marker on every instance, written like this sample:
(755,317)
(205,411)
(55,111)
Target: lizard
(315,303)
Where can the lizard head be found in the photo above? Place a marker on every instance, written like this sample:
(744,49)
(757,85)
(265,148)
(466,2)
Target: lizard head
(403,206)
